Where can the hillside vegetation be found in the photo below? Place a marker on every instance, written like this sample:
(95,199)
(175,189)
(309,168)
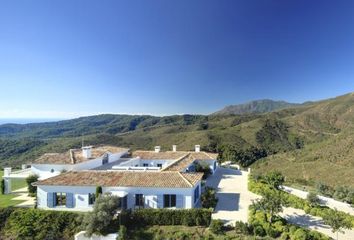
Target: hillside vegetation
(308,143)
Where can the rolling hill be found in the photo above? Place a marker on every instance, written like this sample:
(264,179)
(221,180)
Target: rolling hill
(309,143)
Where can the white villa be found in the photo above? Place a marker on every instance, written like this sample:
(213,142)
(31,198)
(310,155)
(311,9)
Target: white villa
(142,179)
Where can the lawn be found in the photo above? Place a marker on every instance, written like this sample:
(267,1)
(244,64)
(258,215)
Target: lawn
(7,200)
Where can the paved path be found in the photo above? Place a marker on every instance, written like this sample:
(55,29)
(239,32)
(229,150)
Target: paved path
(232,192)
(23,196)
(299,217)
(329,202)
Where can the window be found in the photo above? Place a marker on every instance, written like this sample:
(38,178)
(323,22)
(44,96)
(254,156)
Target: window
(60,199)
(105,159)
(169,200)
(159,165)
(91,198)
(196,194)
(139,200)
(145,165)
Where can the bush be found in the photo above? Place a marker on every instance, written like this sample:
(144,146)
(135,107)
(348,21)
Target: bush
(313,199)
(242,228)
(187,217)
(29,180)
(299,234)
(259,231)
(216,226)
(208,198)
(38,224)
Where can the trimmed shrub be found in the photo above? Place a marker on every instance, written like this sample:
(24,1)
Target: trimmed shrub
(98,191)
(216,226)
(29,180)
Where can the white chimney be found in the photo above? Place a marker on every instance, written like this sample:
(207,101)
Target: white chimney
(197,148)
(174,148)
(7,171)
(86,152)
(157,149)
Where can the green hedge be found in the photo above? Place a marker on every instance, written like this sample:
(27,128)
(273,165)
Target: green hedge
(187,217)
(4,214)
(38,224)
(290,200)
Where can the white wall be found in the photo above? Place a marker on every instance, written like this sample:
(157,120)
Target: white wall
(49,170)
(151,195)
(45,170)
(151,162)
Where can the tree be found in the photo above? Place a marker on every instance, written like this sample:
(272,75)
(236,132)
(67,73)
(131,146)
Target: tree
(270,203)
(29,180)
(2,186)
(337,222)
(104,211)
(98,191)
(123,235)
(313,199)
(204,168)
(274,179)
(208,198)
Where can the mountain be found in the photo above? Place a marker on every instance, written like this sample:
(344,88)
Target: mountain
(257,106)
(308,143)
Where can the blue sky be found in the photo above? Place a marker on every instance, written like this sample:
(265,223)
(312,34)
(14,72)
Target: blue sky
(68,58)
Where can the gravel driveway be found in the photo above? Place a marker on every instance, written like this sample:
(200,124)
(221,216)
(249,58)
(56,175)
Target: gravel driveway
(232,192)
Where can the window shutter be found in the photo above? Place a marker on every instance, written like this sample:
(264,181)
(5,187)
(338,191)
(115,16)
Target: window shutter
(69,200)
(179,201)
(159,201)
(50,200)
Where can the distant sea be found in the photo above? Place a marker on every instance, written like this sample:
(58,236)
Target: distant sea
(26,120)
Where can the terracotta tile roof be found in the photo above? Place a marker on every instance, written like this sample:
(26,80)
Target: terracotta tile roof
(204,155)
(74,156)
(184,162)
(181,164)
(164,179)
(159,155)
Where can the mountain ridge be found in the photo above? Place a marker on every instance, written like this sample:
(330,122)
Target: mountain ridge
(304,142)
(256,106)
